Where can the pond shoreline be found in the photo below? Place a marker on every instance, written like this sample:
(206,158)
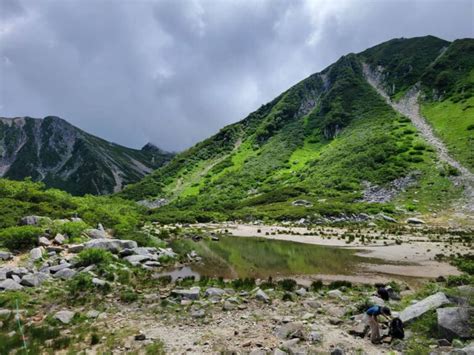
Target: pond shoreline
(412,257)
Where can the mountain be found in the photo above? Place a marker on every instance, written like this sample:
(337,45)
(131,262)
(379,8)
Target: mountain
(63,156)
(347,140)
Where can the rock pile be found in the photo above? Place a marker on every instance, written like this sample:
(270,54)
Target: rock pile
(59,261)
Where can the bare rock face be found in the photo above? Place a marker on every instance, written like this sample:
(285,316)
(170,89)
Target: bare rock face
(454,322)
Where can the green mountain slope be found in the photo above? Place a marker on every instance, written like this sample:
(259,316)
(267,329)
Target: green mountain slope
(62,156)
(330,140)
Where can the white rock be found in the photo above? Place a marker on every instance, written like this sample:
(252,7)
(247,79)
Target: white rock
(36,253)
(413,220)
(59,239)
(10,285)
(416,310)
(64,317)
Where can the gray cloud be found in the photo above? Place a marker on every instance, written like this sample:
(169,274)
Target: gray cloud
(174,72)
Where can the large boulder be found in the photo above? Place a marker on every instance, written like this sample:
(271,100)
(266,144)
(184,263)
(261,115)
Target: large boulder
(33,220)
(10,285)
(112,245)
(54,269)
(5,255)
(59,239)
(416,310)
(43,241)
(65,274)
(96,233)
(454,322)
(137,259)
(36,253)
(33,280)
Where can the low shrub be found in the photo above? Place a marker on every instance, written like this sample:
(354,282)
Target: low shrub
(20,238)
(246,284)
(340,283)
(287,284)
(316,285)
(128,296)
(94,256)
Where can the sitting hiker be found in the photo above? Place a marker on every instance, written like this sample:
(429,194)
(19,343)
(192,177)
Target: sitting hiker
(382,292)
(372,314)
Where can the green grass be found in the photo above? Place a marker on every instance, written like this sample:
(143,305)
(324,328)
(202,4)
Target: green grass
(451,122)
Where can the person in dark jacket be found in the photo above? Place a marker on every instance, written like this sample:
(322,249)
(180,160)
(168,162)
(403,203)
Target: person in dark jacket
(382,292)
(372,313)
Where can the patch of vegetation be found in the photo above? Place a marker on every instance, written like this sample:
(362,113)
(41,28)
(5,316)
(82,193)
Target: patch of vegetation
(94,256)
(19,238)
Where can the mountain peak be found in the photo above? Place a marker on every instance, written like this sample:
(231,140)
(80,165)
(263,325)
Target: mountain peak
(63,156)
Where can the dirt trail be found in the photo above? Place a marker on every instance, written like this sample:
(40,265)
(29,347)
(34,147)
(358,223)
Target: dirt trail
(409,107)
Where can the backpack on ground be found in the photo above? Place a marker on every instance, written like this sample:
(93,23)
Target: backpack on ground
(396,329)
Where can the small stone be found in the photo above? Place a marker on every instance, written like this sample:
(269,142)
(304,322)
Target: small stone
(43,241)
(75,248)
(301,292)
(307,316)
(92,314)
(444,342)
(198,313)
(414,220)
(337,351)
(335,321)
(229,306)
(289,344)
(64,317)
(59,239)
(335,294)
(98,282)
(262,296)
(214,291)
(314,337)
(140,337)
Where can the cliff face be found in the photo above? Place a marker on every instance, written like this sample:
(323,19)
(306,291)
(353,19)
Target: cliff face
(63,156)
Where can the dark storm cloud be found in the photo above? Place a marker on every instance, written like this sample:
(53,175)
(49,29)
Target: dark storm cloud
(173,72)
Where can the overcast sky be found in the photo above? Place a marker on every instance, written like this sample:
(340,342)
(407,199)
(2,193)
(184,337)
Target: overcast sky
(173,72)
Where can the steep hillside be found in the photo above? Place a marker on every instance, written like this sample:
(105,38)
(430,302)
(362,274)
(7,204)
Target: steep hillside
(55,152)
(331,140)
